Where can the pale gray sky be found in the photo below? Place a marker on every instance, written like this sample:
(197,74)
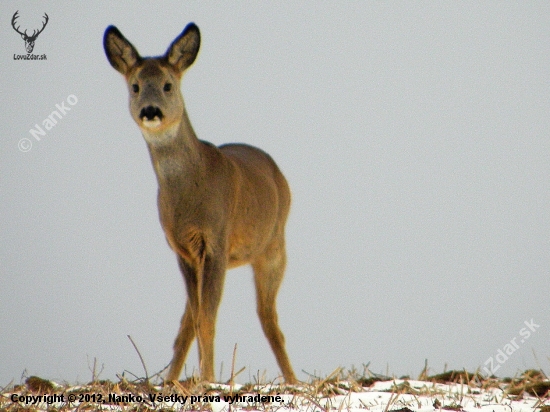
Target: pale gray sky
(416,140)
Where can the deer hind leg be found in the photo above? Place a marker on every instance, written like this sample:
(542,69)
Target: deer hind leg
(183,342)
(268,275)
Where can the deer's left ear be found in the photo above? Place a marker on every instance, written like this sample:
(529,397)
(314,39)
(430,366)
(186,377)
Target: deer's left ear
(182,52)
(120,52)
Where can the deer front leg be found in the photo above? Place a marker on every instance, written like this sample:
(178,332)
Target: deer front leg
(183,342)
(205,326)
(204,289)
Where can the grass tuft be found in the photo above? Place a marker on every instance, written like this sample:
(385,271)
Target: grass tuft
(448,391)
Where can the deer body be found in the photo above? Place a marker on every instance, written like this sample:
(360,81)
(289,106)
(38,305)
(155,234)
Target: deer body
(220,207)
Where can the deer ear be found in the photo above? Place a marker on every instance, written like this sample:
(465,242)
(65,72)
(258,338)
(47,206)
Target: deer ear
(120,52)
(182,52)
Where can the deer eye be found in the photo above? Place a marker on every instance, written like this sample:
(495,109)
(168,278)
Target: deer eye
(135,88)
(167,87)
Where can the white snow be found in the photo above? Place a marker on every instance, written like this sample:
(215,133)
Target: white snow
(394,395)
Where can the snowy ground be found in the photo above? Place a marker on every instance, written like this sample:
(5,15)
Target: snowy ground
(336,395)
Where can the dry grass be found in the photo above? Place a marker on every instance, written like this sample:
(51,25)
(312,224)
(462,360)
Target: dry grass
(319,392)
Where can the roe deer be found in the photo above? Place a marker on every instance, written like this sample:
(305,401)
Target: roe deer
(220,207)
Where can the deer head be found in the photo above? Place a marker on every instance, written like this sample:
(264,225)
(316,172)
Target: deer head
(29,40)
(156,103)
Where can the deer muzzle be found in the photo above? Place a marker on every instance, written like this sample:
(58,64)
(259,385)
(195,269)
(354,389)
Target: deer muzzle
(151,116)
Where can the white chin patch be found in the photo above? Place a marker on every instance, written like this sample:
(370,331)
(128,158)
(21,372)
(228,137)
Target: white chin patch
(151,124)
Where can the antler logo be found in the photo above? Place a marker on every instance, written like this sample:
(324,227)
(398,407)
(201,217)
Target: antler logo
(29,40)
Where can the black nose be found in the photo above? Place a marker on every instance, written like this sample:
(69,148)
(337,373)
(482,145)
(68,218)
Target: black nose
(150,112)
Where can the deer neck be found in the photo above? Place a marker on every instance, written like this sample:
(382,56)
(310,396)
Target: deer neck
(176,156)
